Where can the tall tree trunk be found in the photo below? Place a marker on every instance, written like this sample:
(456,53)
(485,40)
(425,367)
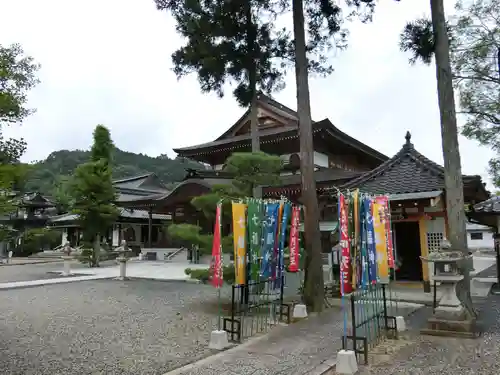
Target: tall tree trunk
(313,283)
(252,80)
(97,249)
(449,135)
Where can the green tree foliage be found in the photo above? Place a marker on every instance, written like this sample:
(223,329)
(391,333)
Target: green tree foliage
(36,240)
(92,193)
(45,176)
(17,78)
(103,147)
(474,34)
(247,171)
(229,41)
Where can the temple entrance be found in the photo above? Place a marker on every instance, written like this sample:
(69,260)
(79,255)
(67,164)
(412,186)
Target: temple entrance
(408,263)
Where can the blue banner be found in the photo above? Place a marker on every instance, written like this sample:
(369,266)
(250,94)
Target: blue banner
(370,242)
(285,217)
(269,227)
(364,250)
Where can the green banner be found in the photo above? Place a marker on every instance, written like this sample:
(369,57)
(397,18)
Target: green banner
(255,216)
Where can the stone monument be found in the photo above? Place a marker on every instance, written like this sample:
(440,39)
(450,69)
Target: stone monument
(123,256)
(454,314)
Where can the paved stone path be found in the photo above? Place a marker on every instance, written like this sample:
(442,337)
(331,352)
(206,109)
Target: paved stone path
(21,276)
(308,347)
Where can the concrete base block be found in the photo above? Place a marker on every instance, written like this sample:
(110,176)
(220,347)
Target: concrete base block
(346,362)
(400,323)
(218,340)
(481,286)
(67,267)
(437,326)
(299,311)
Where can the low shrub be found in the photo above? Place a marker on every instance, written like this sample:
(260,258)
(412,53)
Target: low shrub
(205,274)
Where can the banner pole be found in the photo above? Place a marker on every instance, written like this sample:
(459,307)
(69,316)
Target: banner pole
(219,308)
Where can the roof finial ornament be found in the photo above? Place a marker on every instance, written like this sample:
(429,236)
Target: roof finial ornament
(408,137)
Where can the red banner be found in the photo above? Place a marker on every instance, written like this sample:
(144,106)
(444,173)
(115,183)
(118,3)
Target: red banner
(384,201)
(217,276)
(294,241)
(345,266)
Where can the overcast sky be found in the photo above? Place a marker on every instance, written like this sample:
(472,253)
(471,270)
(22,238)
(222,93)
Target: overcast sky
(108,61)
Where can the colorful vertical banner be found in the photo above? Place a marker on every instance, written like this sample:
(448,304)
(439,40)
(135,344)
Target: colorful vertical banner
(365,280)
(345,266)
(380,242)
(217,275)
(239,238)
(275,258)
(255,216)
(350,218)
(294,241)
(357,266)
(370,241)
(384,202)
(270,225)
(285,216)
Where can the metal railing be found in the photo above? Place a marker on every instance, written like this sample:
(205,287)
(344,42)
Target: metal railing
(369,320)
(255,308)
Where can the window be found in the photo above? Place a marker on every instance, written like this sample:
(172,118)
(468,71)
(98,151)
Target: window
(476,235)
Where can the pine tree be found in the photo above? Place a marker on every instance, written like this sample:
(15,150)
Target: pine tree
(92,194)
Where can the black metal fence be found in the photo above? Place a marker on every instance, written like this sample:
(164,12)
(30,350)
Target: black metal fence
(369,320)
(255,308)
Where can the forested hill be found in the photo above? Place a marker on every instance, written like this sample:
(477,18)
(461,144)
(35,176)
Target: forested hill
(46,173)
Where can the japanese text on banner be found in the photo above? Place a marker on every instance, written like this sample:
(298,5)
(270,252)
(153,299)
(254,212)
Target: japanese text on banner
(384,202)
(239,238)
(380,243)
(217,276)
(294,241)
(345,266)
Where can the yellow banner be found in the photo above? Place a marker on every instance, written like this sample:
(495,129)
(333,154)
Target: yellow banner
(240,241)
(380,243)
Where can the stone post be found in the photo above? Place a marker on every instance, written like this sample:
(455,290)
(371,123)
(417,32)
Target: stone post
(67,265)
(122,259)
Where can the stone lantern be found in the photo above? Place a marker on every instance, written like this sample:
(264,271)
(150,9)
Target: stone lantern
(67,257)
(454,313)
(123,256)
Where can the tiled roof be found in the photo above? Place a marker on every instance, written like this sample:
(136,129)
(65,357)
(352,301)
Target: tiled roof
(491,205)
(124,213)
(141,182)
(275,135)
(406,172)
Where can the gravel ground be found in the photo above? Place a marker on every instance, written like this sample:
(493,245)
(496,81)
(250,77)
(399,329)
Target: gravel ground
(103,327)
(28,272)
(434,355)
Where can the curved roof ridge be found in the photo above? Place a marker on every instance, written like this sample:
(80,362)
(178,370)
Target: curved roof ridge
(408,150)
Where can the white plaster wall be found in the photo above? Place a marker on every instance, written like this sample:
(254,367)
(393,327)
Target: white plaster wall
(320,160)
(486,243)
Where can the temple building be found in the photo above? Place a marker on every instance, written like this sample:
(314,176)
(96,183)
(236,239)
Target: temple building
(414,183)
(140,228)
(32,210)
